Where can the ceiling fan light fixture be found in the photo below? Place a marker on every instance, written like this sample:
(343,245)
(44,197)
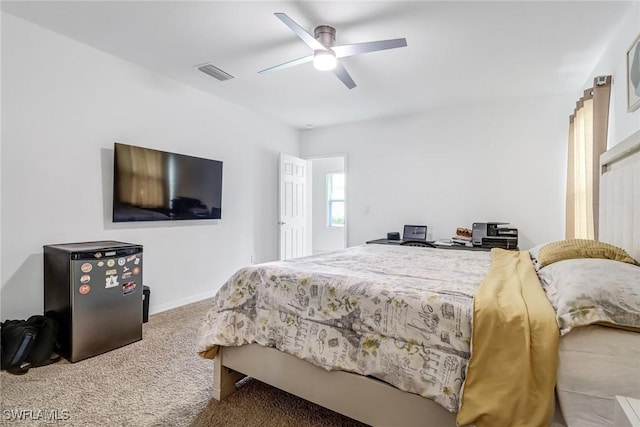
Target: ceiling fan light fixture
(326,53)
(324,60)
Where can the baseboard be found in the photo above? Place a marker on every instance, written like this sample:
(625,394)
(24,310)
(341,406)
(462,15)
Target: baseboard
(180,302)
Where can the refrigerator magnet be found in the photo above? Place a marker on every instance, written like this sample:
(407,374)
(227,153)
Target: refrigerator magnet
(128,288)
(111,282)
(85,278)
(86,267)
(84,289)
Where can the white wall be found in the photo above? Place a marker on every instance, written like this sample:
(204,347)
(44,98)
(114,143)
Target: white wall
(613,62)
(64,104)
(503,160)
(324,238)
(448,168)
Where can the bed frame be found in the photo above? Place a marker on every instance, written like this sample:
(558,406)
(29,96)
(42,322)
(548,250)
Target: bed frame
(619,206)
(362,398)
(376,403)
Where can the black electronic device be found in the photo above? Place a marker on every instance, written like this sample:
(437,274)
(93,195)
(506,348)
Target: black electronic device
(503,242)
(494,235)
(414,232)
(484,229)
(154,185)
(410,233)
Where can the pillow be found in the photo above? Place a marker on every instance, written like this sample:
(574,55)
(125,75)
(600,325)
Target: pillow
(593,291)
(580,248)
(533,253)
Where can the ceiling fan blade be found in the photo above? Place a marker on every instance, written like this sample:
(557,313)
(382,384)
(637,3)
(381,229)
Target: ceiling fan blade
(295,62)
(358,48)
(344,76)
(301,32)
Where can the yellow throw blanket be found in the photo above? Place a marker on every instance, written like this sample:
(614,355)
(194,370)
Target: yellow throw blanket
(514,348)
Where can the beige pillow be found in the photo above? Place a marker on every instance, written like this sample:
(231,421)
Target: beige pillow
(581,248)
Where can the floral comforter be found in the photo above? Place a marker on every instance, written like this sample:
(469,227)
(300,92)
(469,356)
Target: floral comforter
(397,313)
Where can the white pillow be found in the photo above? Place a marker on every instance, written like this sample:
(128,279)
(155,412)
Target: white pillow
(589,291)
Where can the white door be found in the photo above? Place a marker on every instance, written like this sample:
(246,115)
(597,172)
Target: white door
(292,193)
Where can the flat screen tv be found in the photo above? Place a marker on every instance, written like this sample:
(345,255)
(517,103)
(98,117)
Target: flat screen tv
(154,185)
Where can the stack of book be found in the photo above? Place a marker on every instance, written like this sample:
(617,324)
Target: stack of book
(462,237)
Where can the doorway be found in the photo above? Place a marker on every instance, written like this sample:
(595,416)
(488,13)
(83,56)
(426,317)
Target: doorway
(328,203)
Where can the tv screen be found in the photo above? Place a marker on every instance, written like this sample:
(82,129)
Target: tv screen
(154,185)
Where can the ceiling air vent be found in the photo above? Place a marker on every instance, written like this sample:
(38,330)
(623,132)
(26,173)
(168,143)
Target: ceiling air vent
(214,72)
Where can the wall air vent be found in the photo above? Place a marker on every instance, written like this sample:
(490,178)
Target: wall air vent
(214,72)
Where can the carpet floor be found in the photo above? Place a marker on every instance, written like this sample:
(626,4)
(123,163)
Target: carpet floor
(158,381)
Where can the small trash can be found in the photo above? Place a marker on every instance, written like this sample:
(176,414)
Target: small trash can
(146,294)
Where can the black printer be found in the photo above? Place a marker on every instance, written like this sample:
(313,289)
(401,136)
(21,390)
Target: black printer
(494,235)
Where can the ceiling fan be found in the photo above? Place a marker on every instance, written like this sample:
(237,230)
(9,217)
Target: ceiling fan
(325,55)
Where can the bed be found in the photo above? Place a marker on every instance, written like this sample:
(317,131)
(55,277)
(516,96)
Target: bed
(317,330)
(597,362)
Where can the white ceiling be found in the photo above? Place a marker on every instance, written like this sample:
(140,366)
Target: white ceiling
(458,52)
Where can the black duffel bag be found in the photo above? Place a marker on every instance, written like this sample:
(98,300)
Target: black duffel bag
(28,344)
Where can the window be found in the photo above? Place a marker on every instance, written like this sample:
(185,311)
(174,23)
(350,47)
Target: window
(335,197)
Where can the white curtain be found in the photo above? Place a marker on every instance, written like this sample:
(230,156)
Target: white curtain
(587,141)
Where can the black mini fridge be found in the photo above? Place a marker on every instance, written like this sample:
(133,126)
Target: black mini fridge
(94,292)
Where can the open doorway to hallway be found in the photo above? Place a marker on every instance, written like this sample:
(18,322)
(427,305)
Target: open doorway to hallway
(328,204)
